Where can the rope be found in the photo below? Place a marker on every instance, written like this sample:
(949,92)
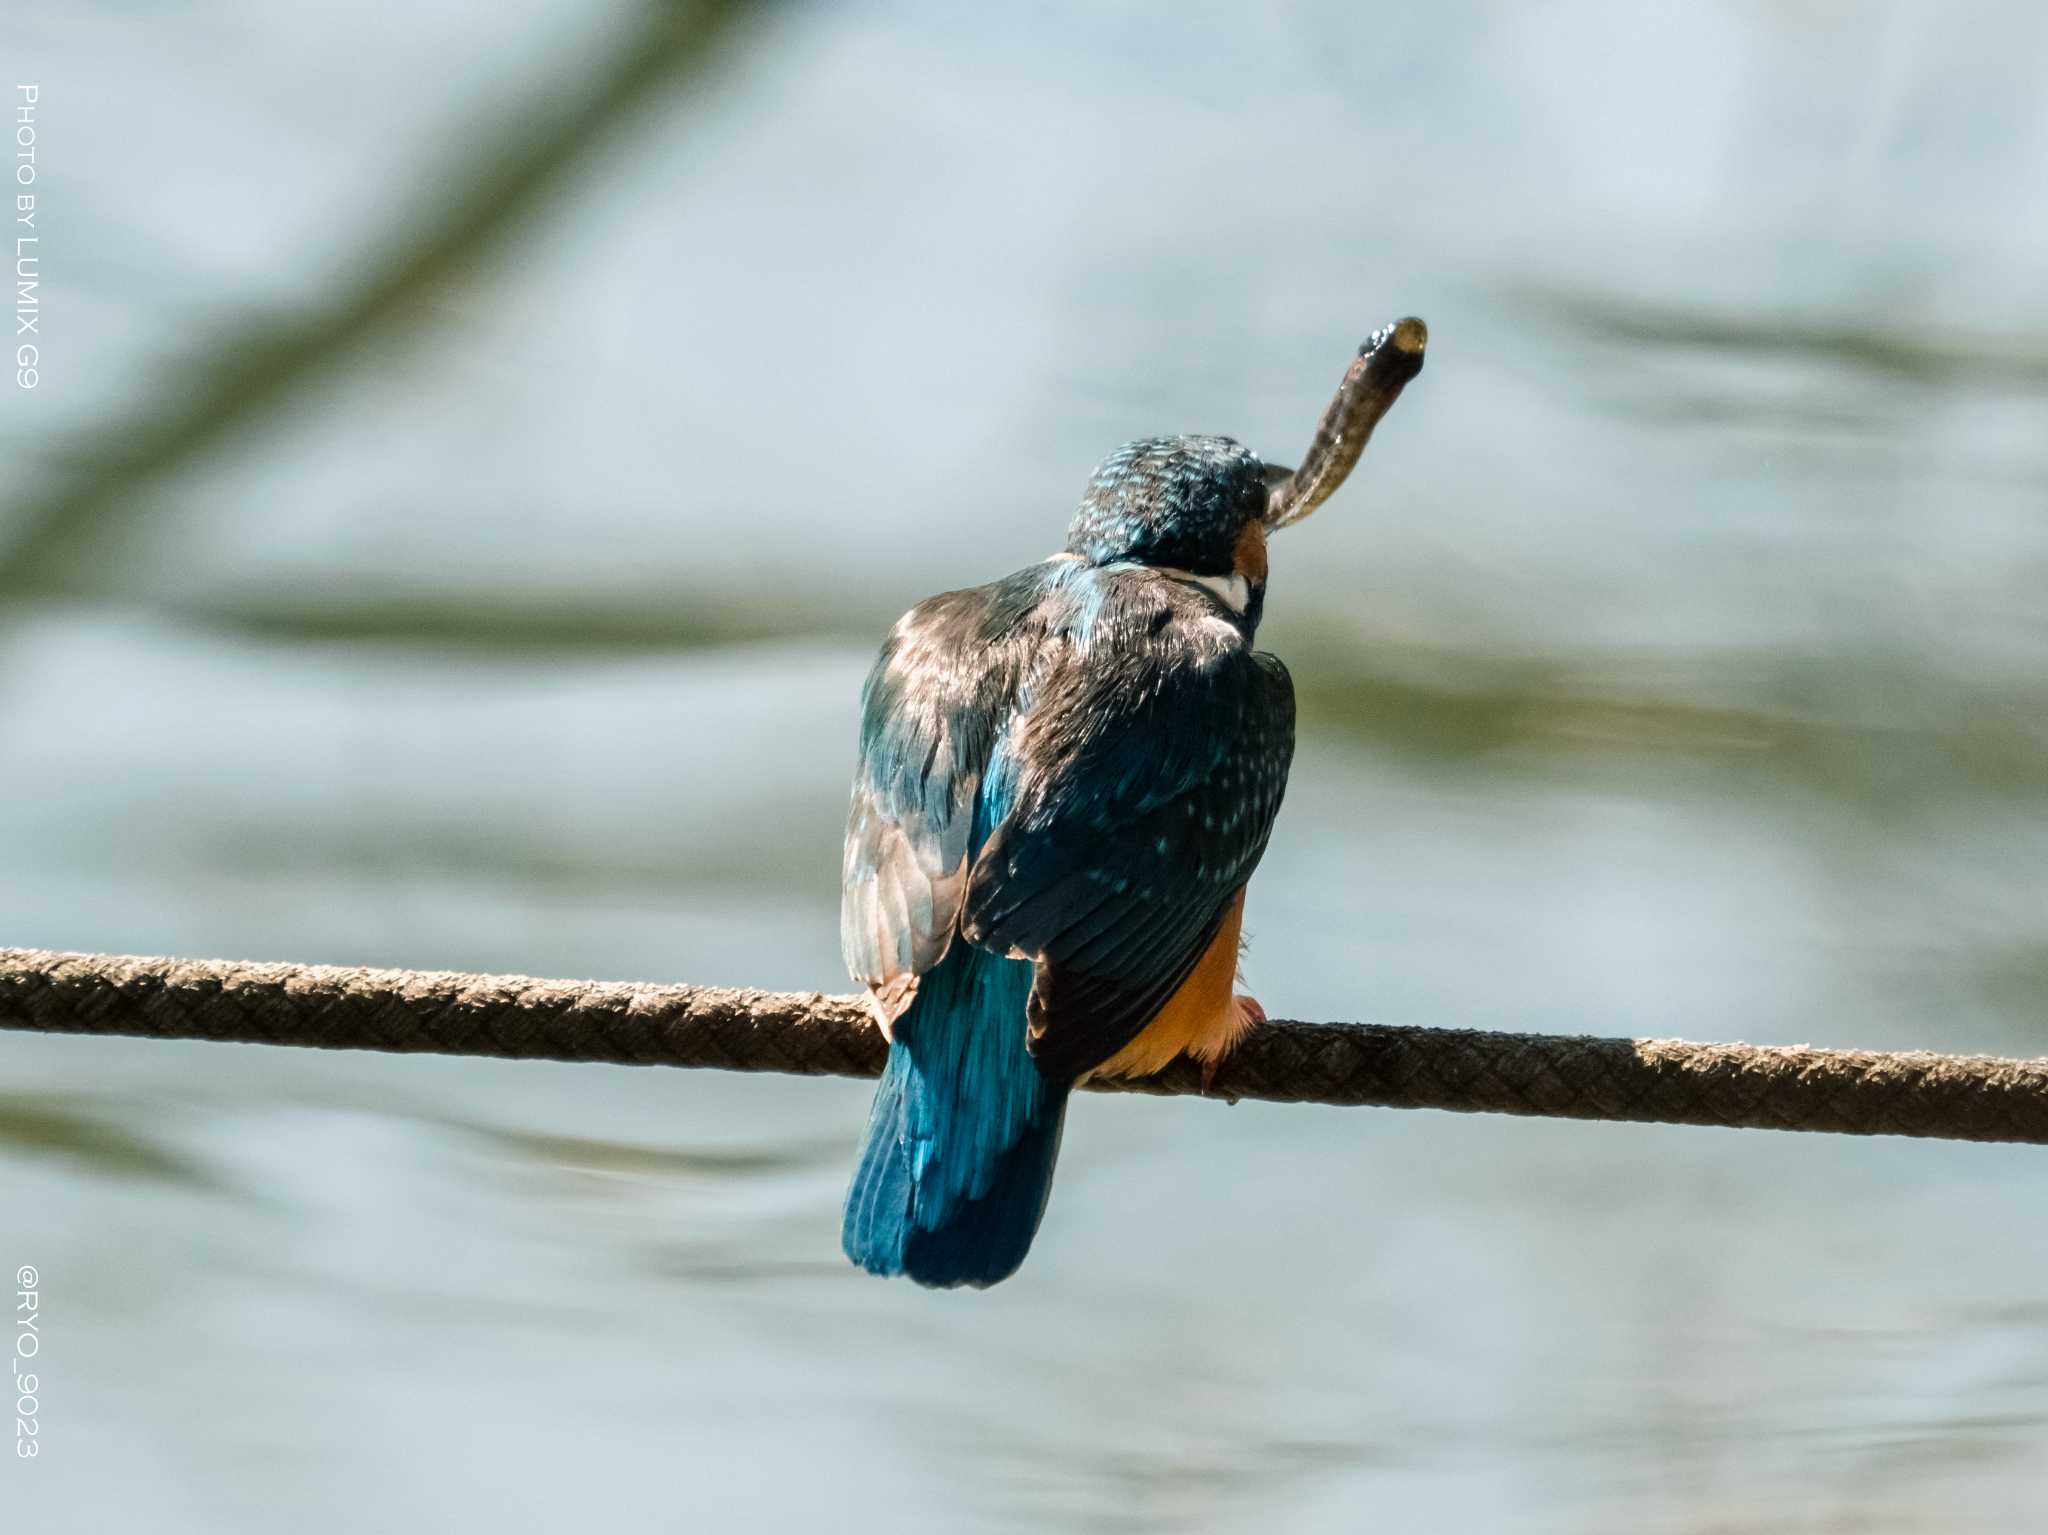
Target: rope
(1777,1087)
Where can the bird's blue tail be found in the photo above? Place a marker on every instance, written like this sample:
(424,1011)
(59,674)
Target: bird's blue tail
(960,1147)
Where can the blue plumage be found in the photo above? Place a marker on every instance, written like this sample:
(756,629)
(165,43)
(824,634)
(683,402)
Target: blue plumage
(1177,502)
(958,1158)
(959,1154)
(1065,779)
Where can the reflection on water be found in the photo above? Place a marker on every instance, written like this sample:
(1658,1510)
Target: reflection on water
(1675,666)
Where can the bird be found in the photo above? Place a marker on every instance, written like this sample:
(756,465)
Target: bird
(1064,780)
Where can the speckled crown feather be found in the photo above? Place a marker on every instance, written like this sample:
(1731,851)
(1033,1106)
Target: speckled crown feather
(1174,501)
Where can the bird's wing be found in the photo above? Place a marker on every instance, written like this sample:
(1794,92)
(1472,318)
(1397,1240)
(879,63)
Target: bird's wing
(1144,787)
(941,689)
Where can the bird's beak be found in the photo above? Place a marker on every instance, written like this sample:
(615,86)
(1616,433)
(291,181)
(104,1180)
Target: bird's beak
(1388,360)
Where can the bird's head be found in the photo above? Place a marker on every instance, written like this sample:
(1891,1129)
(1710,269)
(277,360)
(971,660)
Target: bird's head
(1202,506)
(1175,503)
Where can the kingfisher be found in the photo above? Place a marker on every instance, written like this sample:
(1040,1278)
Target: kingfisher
(1065,779)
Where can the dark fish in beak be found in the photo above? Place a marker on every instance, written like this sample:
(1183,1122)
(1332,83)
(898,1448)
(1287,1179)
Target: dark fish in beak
(1389,359)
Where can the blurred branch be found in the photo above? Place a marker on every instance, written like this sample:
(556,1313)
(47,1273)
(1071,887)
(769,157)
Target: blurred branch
(1897,346)
(1844,724)
(1848,726)
(526,622)
(1959,737)
(254,371)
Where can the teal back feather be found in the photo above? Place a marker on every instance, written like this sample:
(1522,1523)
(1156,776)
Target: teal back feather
(958,1160)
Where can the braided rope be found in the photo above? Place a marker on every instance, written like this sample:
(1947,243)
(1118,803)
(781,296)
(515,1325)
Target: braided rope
(1778,1087)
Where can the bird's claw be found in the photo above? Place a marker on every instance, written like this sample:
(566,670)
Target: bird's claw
(1249,1016)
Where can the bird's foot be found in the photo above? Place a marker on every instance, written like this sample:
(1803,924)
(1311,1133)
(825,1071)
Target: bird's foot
(1249,1016)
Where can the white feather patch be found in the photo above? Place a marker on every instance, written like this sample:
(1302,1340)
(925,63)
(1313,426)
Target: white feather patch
(1234,591)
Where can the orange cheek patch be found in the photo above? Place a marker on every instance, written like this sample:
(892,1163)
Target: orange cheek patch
(1251,551)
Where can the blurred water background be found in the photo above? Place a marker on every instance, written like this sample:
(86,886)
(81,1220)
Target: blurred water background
(477,452)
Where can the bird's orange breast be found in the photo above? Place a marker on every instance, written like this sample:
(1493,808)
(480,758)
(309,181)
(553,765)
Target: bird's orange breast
(1201,1020)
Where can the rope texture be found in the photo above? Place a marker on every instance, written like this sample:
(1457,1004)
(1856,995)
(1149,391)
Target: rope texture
(1779,1087)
